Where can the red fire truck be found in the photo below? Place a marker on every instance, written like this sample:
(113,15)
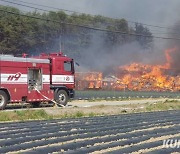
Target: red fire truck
(48,77)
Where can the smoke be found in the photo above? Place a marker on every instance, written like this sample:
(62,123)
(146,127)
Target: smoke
(157,12)
(174,45)
(98,56)
(101,57)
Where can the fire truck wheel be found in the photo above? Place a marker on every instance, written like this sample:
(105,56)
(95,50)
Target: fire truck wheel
(3,100)
(62,98)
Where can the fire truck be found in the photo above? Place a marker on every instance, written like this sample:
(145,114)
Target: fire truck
(44,78)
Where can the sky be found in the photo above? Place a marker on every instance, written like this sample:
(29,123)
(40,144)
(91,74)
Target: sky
(163,13)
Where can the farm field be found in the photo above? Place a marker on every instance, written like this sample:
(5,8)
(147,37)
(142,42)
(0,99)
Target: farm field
(101,94)
(126,133)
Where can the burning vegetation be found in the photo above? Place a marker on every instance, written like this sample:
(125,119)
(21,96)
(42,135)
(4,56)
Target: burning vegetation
(135,76)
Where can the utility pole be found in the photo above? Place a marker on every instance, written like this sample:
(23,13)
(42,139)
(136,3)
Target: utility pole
(60,43)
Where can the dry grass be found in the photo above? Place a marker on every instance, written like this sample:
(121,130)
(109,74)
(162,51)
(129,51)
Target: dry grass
(76,112)
(24,115)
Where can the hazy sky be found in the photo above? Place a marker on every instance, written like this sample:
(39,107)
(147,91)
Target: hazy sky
(156,12)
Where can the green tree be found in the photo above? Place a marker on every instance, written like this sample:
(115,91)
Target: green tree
(145,42)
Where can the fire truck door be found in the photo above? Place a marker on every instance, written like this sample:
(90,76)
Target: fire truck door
(34,79)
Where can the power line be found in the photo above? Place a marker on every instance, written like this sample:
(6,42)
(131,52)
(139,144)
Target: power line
(25,6)
(87,27)
(161,33)
(65,10)
(77,17)
(82,13)
(38,5)
(134,22)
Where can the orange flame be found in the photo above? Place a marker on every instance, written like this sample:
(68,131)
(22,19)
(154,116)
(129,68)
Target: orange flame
(88,80)
(135,76)
(169,59)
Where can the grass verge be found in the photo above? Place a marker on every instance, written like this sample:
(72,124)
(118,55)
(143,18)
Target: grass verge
(163,106)
(24,115)
(76,112)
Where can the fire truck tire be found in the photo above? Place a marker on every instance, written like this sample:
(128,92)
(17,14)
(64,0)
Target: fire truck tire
(61,98)
(3,99)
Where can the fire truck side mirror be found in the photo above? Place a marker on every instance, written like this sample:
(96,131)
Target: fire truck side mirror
(77,64)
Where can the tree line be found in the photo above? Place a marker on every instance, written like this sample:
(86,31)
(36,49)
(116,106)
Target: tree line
(21,34)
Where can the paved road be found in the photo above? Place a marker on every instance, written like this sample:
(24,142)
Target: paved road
(140,132)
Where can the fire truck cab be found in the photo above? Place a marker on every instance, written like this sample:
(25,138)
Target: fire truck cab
(46,78)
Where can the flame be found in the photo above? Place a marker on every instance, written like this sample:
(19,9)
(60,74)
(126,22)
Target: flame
(136,76)
(88,80)
(169,59)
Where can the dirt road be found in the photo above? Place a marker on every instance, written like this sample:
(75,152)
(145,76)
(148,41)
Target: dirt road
(84,103)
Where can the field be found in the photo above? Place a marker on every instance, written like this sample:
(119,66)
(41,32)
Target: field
(93,94)
(126,133)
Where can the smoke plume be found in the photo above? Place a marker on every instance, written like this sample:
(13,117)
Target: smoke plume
(174,45)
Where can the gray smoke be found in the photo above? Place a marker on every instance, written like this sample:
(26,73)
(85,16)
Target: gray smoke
(100,57)
(175,44)
(157,12)
(154,12)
